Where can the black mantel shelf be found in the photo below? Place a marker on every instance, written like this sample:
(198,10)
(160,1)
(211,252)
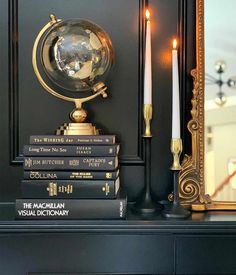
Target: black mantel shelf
(202,223)
(131,246)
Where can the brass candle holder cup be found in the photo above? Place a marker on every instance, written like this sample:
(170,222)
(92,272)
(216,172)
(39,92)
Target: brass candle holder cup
(145,204)
(175,210)
(147,115)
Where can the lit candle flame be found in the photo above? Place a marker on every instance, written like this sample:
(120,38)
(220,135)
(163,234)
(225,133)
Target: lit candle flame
(147,14)
(174,44)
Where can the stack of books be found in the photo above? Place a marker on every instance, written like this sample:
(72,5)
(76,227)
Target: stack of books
(71,177)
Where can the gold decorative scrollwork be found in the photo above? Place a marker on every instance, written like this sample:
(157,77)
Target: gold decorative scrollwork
(189,182)
(192,175)
(191,178)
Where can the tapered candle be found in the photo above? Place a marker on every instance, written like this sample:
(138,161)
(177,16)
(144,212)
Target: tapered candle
(175,93)
(148,63)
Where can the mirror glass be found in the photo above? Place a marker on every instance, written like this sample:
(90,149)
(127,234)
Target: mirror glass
(220,99)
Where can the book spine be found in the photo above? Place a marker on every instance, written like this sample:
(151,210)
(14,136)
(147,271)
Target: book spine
(82,150)
(70,209)
(70,140)
(70,175)
(72,189)
(68,163)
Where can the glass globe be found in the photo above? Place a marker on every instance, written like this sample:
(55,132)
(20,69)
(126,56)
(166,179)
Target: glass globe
(76,54)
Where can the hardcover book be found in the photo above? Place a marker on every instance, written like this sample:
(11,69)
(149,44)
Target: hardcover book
(49,209)
(68,163)
(73,140)
(78,189)
(71,175)
(71,150)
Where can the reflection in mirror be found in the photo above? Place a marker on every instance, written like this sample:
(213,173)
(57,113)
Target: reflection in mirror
(220,99)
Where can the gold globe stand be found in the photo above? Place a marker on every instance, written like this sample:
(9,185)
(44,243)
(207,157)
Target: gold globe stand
(78,116)
(79,127)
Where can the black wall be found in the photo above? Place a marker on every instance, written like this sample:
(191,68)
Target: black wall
(27,109)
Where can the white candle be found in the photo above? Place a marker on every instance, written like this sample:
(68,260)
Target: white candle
(148,63)
(175,93)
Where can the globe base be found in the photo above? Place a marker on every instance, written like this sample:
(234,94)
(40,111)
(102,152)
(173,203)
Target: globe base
(77,129)
(78,115)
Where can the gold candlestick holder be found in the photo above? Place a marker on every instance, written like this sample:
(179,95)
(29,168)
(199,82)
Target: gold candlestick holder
(147,115)
(145,203)
(176,149)
(175,210)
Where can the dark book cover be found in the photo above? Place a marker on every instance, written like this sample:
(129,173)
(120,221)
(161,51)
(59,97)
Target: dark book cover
(50,209)
(71,150)
(71,175)
(70,163)
(68,189)
(73,140)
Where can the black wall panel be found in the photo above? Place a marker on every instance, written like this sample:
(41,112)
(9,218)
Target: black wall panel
(27,109)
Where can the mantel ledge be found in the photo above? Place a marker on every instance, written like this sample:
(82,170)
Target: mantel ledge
(219,222)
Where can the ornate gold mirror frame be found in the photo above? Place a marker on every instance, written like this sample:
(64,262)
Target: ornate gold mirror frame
(192,185)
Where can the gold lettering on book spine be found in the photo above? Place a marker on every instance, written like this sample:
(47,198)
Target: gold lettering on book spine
(106,189)
(28,162)
(52,189)
(68,189)
(108,175)
(74,162)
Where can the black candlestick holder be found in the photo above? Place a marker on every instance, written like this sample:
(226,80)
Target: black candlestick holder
(175,210)
(145,204)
